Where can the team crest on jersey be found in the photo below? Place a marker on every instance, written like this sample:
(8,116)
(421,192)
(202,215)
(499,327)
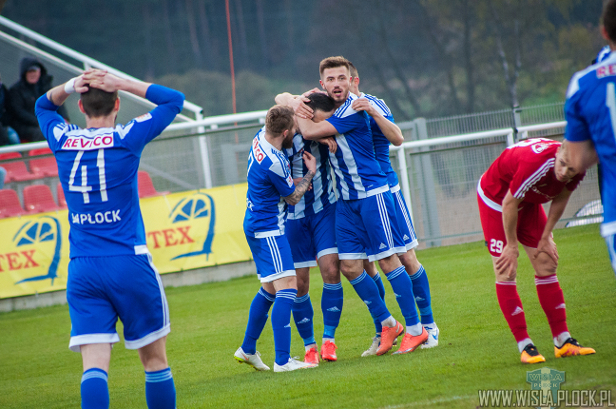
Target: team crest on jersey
(82,143)
(257,151)
(539,147)
(40,243)
(290,181)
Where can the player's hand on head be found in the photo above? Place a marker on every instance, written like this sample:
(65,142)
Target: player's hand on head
(107,82)
(312,91)
(310,161)
(301,109)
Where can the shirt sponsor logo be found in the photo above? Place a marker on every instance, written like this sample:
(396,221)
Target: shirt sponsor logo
(606,71)
(143,117)
(111,216)
(257,152)
(81,143)
(539,147)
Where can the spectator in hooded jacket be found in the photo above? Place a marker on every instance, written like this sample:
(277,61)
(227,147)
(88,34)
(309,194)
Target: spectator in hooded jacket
(33,82)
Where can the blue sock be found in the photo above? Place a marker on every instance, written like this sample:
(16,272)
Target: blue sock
(257,317)
(403,289)
(369,293)
(160,389)
(331,305)
(303,315)
(94,389)
(379,283)
(281,324)
(421,289)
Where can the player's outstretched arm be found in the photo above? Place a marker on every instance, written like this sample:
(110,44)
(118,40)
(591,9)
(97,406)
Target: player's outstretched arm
(557,208)
(391,131)
(315,130)
(507,263)
(304,184)
(297,103)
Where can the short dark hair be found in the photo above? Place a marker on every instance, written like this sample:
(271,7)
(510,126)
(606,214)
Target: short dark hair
(608,18)
(321,101)
(97,102)
(279,119)
(353,70)
(333,62)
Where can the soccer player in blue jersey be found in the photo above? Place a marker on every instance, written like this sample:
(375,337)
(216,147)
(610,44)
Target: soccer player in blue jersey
(404,236)
(590,111)
(311,233)
(270,189)
(362,216)
(111,274)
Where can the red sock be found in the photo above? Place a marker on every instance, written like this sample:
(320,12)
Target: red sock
(511,306)
(553,303)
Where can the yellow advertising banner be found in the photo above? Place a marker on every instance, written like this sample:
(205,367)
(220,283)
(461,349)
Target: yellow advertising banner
(186,230)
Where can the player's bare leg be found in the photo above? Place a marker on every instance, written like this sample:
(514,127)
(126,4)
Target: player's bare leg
(331,306)
(552,301)
(154,356)
(159,385)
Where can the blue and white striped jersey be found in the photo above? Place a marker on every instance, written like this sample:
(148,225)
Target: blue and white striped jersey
(590,111)
(98,171)
(269,180)
(381,143)
(358,173)
(322,193)
(603,54)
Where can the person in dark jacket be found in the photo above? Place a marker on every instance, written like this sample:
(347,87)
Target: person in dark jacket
(33,82)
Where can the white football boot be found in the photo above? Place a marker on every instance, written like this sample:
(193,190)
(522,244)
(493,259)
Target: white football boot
(253,360)
(292,365)
(376,341)
(432,336)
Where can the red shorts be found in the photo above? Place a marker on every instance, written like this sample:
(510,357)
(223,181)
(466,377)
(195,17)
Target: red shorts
(531,222)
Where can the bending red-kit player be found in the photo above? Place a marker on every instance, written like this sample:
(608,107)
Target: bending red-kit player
(510,195)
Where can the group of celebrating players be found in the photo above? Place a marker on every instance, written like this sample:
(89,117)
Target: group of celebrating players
(344,225)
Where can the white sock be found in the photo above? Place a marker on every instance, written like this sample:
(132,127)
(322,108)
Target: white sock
(310,346)
(431,325)
(328,339)
(522,344)
(389,322)
(414,330)
(561,338)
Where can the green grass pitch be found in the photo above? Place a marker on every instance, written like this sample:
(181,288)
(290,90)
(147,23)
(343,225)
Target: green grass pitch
(476,349)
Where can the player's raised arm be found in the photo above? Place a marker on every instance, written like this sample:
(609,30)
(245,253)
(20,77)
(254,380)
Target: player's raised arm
(304,184)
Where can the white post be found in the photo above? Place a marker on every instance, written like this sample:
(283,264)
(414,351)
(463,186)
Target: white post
(510,140)
(205,155)
(404,176)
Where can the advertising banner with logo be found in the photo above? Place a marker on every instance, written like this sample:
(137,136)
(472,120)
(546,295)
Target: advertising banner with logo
(186,230)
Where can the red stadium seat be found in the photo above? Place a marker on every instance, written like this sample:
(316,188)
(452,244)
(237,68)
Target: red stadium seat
(38,198)
(16,171)
(44,167)
(146,187)
(60,196)
(9,204)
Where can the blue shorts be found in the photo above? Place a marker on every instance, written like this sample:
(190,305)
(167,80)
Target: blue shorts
(363,227)
(272,256)
(611,249)
(312,237)
(405,238)
(102,289)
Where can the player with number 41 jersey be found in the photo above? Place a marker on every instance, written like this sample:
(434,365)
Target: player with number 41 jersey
(510,196)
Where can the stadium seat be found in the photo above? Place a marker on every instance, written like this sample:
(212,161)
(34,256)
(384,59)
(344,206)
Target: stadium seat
(16,171)
(43,167)
(146,187)
(9,204)
(60,196)
(38,198)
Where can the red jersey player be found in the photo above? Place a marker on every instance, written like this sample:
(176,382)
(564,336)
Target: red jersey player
(510,195)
